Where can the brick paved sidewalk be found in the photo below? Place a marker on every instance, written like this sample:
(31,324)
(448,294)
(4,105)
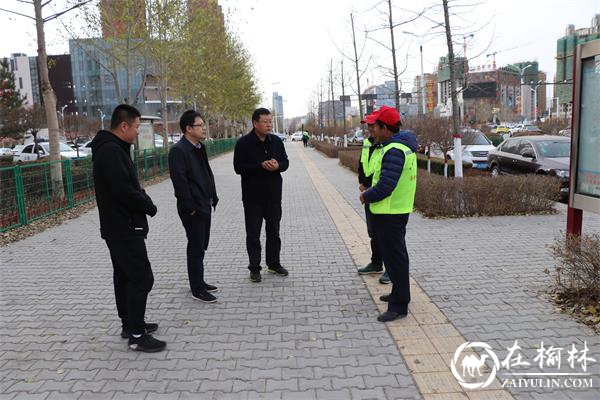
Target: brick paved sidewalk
(310,335)
(487,276)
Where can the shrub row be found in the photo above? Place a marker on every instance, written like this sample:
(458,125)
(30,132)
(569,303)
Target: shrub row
(326,148)
(350,159)
(477,195)
(485,196)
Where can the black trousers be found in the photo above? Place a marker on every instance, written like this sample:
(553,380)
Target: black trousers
(375,253)
(390,232)
(197,230)
(254,214)
(133,280)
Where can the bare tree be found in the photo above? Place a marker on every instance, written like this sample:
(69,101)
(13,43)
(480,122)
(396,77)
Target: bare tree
(391,25)
(47,91)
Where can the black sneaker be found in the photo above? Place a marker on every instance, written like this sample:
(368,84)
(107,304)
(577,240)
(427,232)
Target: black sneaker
(204,296)
(255,276)
(278,270)
(390,316)
(210,288)
(385,297)
(146,343)
(150,327)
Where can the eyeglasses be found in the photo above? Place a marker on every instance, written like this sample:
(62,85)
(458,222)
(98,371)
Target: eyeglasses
(193,126)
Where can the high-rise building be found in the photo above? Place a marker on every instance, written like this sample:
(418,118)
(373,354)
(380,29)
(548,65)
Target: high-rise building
(18,64)
(94,84)
(541,94)
(61,79)
(492,95)
(277,112)
(565,48)
(430,90)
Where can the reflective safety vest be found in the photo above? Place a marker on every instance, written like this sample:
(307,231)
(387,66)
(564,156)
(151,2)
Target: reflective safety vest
(364,157)
(402,199)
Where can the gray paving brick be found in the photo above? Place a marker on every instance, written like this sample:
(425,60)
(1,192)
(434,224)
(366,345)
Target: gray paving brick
(285,329)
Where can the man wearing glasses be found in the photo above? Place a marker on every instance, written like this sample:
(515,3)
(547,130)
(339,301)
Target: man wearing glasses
(196,193)
(260,158)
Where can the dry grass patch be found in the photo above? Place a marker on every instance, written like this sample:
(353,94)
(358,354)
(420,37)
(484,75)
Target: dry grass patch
(577,277)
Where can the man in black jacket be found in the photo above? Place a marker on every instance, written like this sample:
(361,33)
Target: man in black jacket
(195,191)
(260,158)
(123,206)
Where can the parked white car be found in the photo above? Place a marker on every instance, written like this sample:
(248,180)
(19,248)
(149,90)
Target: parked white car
(475,149)
(17,149)
(43,149)
(296,136)
(5,151)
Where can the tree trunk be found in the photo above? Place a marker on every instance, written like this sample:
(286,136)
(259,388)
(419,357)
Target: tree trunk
(164,110)
(396,88)
(360,109)
(49,104)
(458,172)
(332,95)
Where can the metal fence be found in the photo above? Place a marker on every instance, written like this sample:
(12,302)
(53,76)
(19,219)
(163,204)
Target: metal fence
(26,192)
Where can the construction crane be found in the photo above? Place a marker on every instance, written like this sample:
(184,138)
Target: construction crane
(493,55)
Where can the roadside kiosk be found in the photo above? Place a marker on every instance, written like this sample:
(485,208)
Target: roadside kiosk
(145,138)
(584,185)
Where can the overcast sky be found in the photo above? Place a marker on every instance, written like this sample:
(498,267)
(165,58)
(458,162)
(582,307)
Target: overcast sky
(293,42)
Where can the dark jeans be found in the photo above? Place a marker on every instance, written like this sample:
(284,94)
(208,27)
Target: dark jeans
(197,230)
(390,235)
(133,280)
(375,253)
(254,213)
(305,142)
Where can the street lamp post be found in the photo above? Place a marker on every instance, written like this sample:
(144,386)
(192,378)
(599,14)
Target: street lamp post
(102,115)
(534,89)
(522,74)
(422,80)
(275,110)
(62,116)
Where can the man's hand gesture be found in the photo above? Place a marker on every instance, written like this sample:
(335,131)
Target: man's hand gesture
(270,165)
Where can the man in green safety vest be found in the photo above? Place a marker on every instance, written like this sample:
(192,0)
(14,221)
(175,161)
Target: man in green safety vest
(391,199)
(365,179)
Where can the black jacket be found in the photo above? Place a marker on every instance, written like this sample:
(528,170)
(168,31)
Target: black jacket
(258,184)
(122,203)
(192,178)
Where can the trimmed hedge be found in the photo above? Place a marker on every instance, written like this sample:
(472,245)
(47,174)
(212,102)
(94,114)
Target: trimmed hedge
(326,148)
(477,195)
(485,196)
(350,159)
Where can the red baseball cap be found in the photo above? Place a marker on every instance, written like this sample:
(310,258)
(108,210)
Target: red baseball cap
(371,118)
(388,116)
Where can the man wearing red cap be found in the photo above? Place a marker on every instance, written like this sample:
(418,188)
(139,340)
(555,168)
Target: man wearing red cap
(365,179)
(391,199)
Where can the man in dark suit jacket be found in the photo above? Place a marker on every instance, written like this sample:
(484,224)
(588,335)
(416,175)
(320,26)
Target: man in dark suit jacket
(196,193)
(260,158)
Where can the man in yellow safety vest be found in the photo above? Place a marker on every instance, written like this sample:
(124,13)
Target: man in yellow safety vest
(391,199)
(365,181)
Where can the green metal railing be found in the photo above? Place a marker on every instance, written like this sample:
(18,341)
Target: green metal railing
(26,192)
